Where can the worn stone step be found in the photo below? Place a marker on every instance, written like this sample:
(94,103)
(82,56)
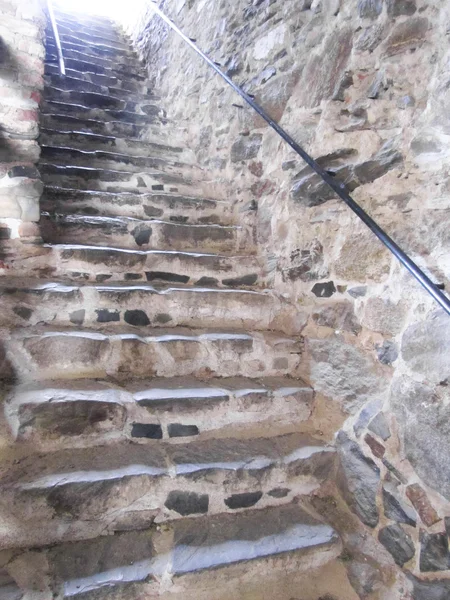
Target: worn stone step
(126,232)
(53,120)
(113,179)
(82,19)
(188,558)
(90,489)
(123,80)
(125,352)
(139,90)
(28,303)
(134,111)
(79,67)
(135,147)
(59,414)
(109,58)
(108,34)
(88,262)
(110,160)
(153,114)
(92,40)
(156,205)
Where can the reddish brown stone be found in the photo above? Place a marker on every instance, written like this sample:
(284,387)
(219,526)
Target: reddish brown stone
(407,35)
(378,449)
(421,503)
(262,188)
(256,168)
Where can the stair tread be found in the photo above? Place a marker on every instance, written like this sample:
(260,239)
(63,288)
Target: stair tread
(100,463)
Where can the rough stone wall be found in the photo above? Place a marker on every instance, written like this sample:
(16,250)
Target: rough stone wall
(363,85)
(21,81)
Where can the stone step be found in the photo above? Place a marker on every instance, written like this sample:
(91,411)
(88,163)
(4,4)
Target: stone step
(140,90)
(112,179)
(104,57)
(155,205)
(87,490)
(54,120)
(92,40)
(151,113)
(124,352)
(108,34)
(59,414)
(109,160)
(188,558)
(29,303)
(80,140)
(79,67)
(82,19)
(92,100)
(126,232)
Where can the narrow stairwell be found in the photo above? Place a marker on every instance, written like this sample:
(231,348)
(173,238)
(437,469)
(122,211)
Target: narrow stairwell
(159,443)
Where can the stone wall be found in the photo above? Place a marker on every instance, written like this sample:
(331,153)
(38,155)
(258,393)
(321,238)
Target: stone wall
(363,85)
(21,81)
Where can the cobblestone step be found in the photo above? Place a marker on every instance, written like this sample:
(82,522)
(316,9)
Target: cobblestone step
(156,205)
(132,351)
(54,415)
(88,490)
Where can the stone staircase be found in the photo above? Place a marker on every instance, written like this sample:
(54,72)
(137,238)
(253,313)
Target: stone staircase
(156,440)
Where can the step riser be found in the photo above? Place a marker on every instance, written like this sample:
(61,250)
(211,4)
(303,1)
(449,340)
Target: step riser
(83,33)
(98,308)
(92,40)
(81,85)
(112,490)
(85,101)
(58,121)
(105,115)
(69,355)
(140,206)
(145,235)
(59,418)
(131,147)
(86,67)
(109,59)
(105,160)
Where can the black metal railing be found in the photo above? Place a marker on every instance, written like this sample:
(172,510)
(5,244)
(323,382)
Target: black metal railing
(62,66)
(333,183)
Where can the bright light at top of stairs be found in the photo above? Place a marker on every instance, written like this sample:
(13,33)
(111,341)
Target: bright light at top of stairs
(118,10)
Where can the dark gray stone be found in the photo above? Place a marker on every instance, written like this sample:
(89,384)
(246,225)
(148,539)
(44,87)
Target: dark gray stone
(377,85)
(279,492)
(423,416)
(20,171)
(246,148)
(364,578)
(407,35)
(398,543)
(387,352)
(102,278)
(163,318)
(358,291)
(142,235)
(406,102)
(430,590)
(77,317)
(187,503)
(244,280)
(207,281)
(307,264)
(396,8)
(369,9)
(310,190)
(245,500)
(324,290)
(23,312)
(358,480)
(434,554)
(132,276)
(172,277)
(395,508)
(386,159)
(146,430)
(380,426)
(107,316)
(343,84)
(178,430)
(138,318)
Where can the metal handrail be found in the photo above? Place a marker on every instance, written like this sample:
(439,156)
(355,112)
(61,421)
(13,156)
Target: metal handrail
(62,66)
(333,183)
